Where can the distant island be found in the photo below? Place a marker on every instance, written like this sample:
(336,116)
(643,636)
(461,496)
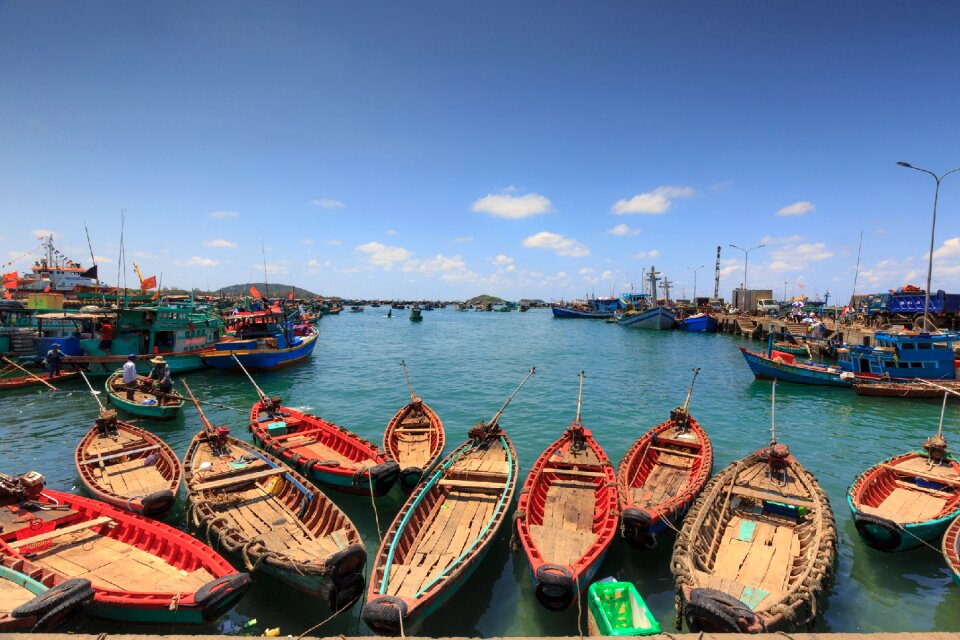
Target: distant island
(484,299)
(276,289)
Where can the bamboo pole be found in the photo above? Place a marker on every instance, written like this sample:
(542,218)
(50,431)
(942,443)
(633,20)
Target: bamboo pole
(32,375)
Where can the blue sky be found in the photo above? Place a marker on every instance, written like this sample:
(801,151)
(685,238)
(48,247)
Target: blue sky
(447,149)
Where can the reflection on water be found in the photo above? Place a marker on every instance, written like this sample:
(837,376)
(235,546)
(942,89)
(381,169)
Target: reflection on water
(464,365)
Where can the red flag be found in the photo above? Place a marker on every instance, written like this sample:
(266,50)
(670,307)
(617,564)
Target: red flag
(47,290)
(10,280)
(255,293)
(290,295)
(149,283)
(156,294)
(7,295)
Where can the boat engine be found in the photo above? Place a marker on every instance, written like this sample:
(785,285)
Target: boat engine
(25,487)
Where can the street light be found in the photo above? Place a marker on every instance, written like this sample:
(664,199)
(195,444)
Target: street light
(695,282)
(746,258)
(933,227)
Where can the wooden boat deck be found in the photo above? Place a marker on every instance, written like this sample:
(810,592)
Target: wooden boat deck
(308,446)
(906,505)
(567,530)
(125,477)
(139,397)
(674,454)
(113,565)
(12,596)
(413,441)
(898,497)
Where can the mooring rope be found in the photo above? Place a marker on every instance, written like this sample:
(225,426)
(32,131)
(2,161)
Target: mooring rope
(373,502)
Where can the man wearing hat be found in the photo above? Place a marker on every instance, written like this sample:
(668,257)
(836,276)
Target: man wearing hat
(130,375)
(160,375)
(54,360)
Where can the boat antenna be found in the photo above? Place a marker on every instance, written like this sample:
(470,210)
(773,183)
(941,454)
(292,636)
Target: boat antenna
(583,375)
(207,425)
(686,402)
(89,245)
(773,413)
(413,396)
(856,273)
(263,396)
(263,252)
(92,392)
(496,418)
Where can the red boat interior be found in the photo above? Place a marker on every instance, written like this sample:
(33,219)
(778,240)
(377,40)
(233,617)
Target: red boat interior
(908,489)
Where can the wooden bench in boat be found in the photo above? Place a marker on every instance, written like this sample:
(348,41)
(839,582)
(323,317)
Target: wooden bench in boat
(575,472)
(417,430)
(50,535)
(919,474)
(291,434)
(242,478)
(491,487)
(675,452)
(119,454)
(794,501)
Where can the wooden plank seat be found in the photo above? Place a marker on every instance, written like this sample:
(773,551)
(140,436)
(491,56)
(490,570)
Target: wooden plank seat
(416,430)
(472,485)
(575,472)
(293,434)
(119,454)
(919,474)
(677,442)
(794,501)
(675,452)
(50,535)
(238,479)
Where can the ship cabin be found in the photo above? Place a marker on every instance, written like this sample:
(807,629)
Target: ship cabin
(903,355)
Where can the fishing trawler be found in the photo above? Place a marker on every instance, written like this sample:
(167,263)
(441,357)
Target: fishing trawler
(54,273)
(645,312)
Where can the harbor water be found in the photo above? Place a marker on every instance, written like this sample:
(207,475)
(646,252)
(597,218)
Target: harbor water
(464,365)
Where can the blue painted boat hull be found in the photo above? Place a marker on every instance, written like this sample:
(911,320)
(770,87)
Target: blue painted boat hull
(915,534)
(705,324)
(766,369)
(262,359)
(566,312)
(657,318)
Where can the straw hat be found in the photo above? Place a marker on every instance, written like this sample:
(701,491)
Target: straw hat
(159,360)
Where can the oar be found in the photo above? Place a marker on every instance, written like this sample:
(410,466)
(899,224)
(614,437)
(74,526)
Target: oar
(207,425)
(773,414)
(943,410)
(263,396)
(580,396)
(92,392)
(939,386)
(31,374)
(173,396)
(413,396)
(496,417)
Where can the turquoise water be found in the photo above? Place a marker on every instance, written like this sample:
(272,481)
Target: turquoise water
(464,365)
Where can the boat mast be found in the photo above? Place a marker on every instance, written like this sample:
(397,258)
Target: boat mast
(686,402)
(496,418)
(856,274)
(413,397)
(580,396)
(716,278)
(263,252)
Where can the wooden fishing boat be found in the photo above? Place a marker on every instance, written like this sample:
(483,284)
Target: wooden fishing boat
(414,438)
(616,609)
(908,499)
(142,570)
(327,454)
(12,383)
(443,531)
(903,388)
(280,348)
(144,403)
(416,315)
(951,549)
(35,599)
(790,347)
(567,514)
(757,548)
(782,366)
(271,519)
(661,474)
(128,467)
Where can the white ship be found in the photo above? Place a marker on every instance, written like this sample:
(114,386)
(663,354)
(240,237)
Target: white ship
(56,273)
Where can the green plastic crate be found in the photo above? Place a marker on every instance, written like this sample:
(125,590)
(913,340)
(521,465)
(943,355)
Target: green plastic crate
(616,609)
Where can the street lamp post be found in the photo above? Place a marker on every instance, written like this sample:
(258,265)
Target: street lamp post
(695,282)
(746,259)
(933,227)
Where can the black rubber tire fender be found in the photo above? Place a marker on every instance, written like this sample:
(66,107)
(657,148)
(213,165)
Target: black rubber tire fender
(557,578)
(384,475)
(863,522)
(157,503)
(635,526)
(345,563)
(410,477)
(217,596)
(65,612)
(712,610)
(346,592)
(72,590)
(384,614)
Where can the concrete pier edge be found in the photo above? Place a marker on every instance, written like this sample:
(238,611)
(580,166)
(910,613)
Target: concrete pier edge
(931,635)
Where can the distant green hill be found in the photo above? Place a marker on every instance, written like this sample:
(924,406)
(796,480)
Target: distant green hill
(485,299)
(277,290)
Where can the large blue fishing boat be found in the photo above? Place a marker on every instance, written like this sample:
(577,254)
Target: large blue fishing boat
(588,308)
(701,322)
(261,341)
(643,311)
(906,354)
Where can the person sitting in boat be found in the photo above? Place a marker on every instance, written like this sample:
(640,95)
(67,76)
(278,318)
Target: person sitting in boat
(130,375)
(54,361)
(160,377)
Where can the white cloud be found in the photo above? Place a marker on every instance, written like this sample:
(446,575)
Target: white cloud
(437,264)
(506,205)
(606,275)
(222,215)
(197,261)
(781,239)
(796,257)
(381,255)
(313,263)
(653,202)
(585,271)
(220,244)
(462,240)
(949,248)
(101,259)
(556,242)
(641,255)
(279,267)
(796,209)
(501,260)
(623,230)
(307,241)
(43,233)
(327,203)
(391,232)
(333,243)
